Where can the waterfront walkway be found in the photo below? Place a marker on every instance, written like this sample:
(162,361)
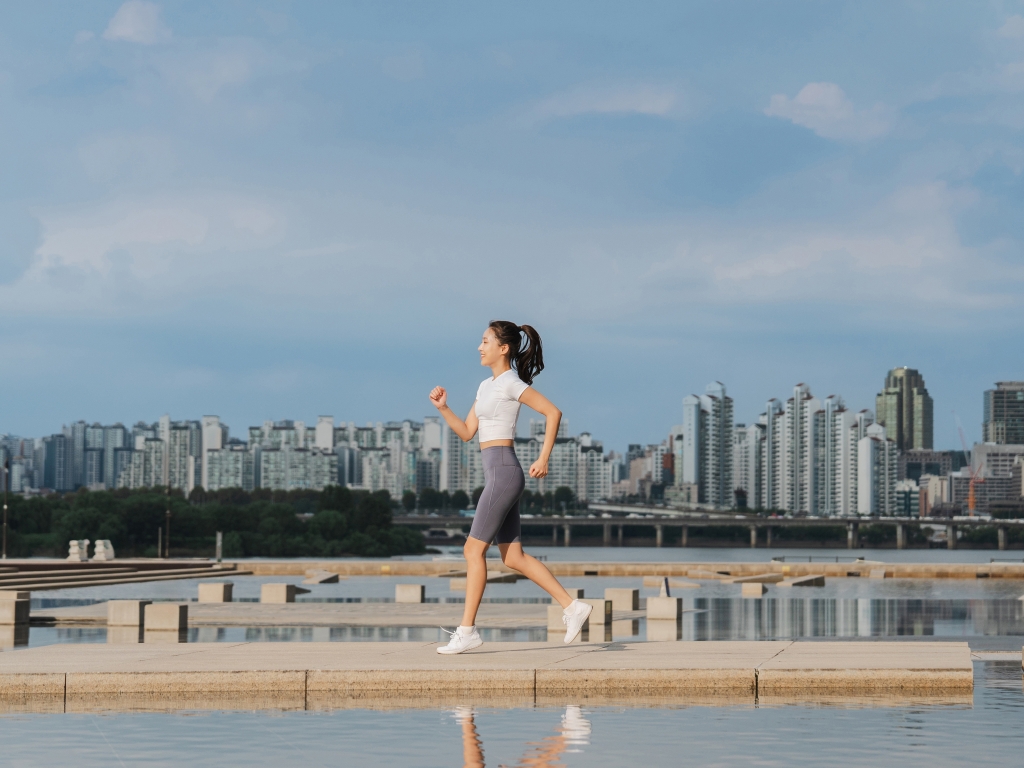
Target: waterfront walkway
(403,673)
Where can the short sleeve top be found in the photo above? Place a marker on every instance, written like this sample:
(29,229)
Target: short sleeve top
(497,406)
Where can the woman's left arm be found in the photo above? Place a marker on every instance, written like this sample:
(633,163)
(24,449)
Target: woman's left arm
(553,416)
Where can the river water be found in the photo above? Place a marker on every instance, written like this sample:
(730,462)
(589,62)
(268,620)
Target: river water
(980,730)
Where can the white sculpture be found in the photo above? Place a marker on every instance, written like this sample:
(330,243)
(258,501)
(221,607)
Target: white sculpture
(104,550)
(78,550)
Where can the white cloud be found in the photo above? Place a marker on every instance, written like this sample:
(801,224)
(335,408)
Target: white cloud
(905,250)
(1012,27)
(653,100)
(137,21)
(826,110)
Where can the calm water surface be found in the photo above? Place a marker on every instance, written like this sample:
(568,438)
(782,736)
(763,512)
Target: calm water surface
(986,732)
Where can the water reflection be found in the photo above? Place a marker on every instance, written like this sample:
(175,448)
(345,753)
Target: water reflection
(763,619)
(572,733)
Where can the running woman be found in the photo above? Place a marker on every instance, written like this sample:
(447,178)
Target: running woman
(514,355)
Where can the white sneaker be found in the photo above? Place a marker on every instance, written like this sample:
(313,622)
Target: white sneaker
(574,617)
(461,641)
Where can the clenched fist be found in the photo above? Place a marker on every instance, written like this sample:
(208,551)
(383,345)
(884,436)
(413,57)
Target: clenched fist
(439,397)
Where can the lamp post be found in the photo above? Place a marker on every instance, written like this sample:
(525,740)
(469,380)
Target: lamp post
(7,474)
(167,535)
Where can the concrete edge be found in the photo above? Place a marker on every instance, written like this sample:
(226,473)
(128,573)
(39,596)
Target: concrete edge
(645,681)
(347,681)
(32,684)
(864,680)
(246,682)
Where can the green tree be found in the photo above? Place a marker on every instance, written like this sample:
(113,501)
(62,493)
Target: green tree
(459,500)
(409,500)
(477,493)
(564,497)
(431,499)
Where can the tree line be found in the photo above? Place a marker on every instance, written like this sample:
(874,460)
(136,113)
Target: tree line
(330,523)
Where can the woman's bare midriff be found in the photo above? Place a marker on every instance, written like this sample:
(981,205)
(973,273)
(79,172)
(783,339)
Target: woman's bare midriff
(496,444)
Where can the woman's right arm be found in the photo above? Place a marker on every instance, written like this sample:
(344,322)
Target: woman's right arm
(464,429)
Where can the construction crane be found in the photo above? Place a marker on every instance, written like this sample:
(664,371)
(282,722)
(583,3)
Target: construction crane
(975,473)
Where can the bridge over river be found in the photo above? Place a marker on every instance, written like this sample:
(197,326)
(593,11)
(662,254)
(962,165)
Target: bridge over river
(614,518)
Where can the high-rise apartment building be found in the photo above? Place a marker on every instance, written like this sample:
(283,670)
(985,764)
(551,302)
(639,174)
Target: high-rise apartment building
(707,446)
(214,438)
(1004,414)
(904,408)
(748,462)
(876,473)
(232,466)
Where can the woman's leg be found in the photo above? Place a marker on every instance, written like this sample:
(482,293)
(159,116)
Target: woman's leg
(533,569)
(476,578)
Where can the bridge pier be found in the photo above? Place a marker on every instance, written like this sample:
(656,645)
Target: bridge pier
(554,535)
(684,538)
(1002,537)
(852,535)
(659,535)
(768,537)
(620,534)
(950,537)
(753,537)
(607,534)
(901,536)
(568,535)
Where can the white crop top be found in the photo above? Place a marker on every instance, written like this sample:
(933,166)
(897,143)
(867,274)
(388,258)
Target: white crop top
(497,406)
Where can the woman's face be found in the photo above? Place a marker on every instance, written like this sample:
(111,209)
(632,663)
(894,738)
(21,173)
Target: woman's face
(491,352)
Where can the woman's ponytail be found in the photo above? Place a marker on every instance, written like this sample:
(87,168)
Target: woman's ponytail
(526,358)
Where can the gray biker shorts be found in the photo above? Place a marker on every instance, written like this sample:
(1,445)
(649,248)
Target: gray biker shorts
(497,512)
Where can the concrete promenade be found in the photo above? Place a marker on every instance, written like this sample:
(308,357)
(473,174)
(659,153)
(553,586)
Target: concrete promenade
(398,674)
(848,569)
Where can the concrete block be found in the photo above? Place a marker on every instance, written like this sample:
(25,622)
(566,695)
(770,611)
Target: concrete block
(280,593)
(753,589)
(662,630)
(877,573)
(555,617)
(127,613)
(457,584)
(12,636)
(602,613)
(166,617)
(124,635)
(164,637)
(410,593)
(626,628)
(623,599)
(14,612)
(78,550)
(216,591)
(14,594)
(103,550)
(803,581)
(320,577)
(664,608)
(758,578)
(576,594)
(657,581)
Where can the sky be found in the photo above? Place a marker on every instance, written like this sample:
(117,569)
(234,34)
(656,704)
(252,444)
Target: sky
(272,210)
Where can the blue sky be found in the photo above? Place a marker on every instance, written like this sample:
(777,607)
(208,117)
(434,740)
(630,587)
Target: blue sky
(280,210)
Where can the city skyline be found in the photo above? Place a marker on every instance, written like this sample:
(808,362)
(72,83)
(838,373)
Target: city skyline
(974,433)
(248,210)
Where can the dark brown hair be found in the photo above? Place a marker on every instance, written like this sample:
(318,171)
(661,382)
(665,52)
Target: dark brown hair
(526,356)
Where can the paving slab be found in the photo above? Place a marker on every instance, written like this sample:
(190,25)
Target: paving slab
(877,666)
(391,671)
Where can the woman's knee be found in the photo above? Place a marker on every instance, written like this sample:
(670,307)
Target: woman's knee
(474,549)
(514,559)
